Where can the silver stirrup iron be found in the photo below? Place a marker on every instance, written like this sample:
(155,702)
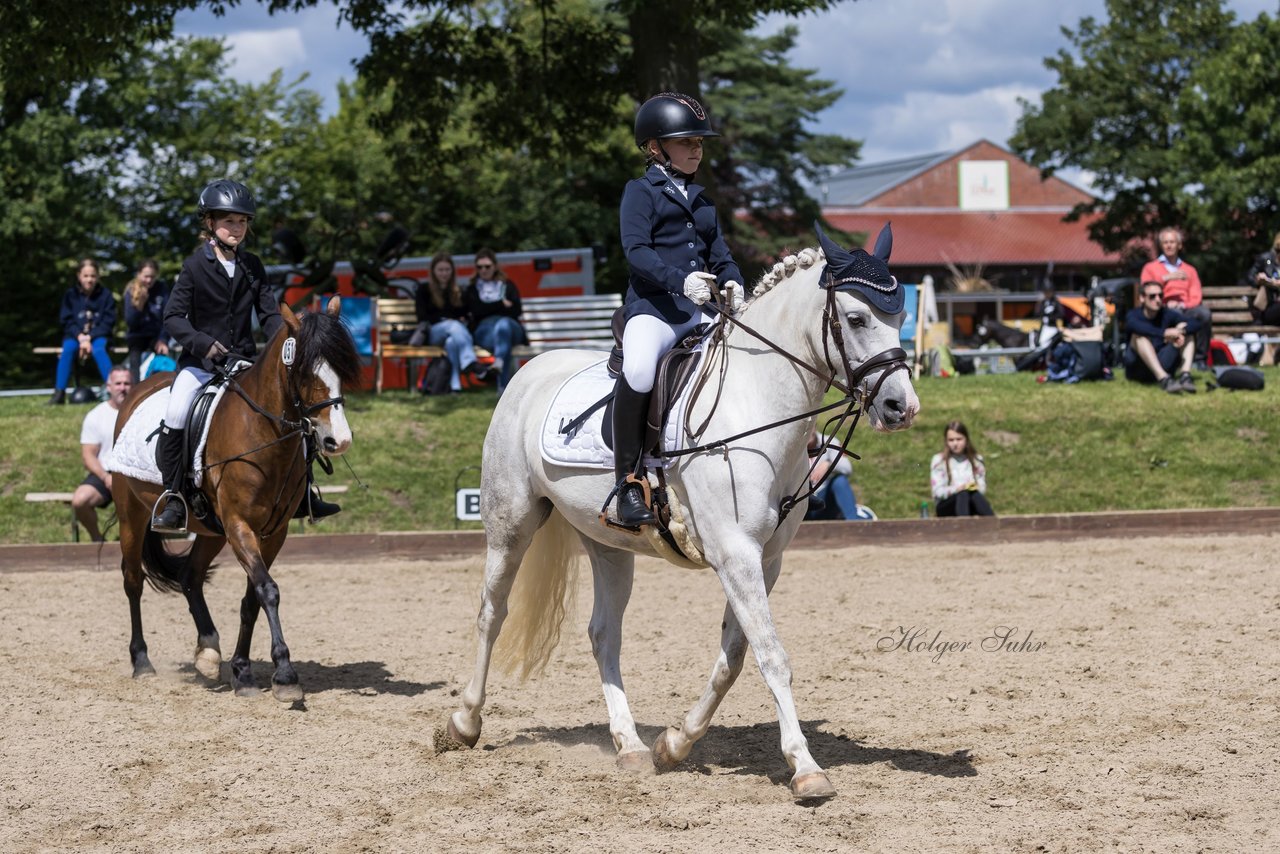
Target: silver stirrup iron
(163,502)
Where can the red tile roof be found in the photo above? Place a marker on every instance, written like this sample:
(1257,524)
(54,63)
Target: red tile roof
(928,238)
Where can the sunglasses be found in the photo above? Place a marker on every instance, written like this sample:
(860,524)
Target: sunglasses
(1154,296)
(484,266)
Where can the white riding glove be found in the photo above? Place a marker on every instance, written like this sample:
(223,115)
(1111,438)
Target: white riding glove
(697,287)
(735,296)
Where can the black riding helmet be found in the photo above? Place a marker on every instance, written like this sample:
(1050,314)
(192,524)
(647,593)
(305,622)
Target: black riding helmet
(670,115)
(228,196)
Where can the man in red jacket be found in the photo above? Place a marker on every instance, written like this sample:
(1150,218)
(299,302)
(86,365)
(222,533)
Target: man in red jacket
(1182,291)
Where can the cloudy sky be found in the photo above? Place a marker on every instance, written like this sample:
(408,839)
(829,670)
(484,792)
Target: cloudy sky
(918,76)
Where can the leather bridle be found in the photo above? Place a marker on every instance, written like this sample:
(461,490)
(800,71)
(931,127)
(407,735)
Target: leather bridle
(856,395)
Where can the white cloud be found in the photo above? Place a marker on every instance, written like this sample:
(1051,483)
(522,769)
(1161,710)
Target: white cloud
(934,121)
(254,55)
(921,76)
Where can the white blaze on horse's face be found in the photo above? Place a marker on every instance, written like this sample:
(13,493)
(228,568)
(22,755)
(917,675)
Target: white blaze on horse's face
(331,423)
(868,332)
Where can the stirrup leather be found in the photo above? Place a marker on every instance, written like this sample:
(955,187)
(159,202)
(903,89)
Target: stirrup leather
(163,501)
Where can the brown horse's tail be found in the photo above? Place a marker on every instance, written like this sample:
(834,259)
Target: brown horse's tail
(166,573)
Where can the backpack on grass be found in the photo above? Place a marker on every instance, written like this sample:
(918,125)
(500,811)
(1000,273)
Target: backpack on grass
(436,380)
(1244,377)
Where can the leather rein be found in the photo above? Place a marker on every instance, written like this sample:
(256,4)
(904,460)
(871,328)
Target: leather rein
(855,400)
(304,426)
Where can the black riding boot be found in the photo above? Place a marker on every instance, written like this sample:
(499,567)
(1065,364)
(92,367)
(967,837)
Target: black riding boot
(319,507)
(173,518)
(630,408)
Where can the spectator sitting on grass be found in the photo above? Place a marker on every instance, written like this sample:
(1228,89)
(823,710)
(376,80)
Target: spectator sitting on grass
(1181,287)
(1159,342)
(835,498)
(958,475)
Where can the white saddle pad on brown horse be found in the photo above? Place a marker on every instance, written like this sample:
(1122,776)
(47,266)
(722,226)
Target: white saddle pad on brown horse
(134,453)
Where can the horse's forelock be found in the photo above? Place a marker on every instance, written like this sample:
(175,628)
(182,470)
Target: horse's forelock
(323,338)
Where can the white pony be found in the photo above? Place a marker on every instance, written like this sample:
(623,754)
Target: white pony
(730,499)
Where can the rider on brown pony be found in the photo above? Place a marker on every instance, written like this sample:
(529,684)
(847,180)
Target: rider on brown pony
(210,315)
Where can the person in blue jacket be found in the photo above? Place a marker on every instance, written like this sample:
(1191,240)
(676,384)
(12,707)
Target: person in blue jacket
(676,253)
(87,315)
(144,300)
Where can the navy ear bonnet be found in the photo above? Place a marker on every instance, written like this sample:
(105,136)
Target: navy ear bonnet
(866,273)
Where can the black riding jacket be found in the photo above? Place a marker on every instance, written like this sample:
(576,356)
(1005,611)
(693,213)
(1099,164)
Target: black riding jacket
(205,305)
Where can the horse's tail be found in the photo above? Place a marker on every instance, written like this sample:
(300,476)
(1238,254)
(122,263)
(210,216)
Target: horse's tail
(166,573)
(541,596)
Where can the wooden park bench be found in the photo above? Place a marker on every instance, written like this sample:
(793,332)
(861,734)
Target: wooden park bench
(62,498)
(551,323)
(1231,318)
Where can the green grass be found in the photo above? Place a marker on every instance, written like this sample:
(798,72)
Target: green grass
(1049,449)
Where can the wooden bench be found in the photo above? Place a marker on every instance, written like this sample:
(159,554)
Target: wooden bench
(1231,318)
(58,497)
(57,351)
(551,323)
(573,323)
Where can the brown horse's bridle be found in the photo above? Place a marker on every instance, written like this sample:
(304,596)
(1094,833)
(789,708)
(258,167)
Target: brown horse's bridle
(304,427)
(855,400)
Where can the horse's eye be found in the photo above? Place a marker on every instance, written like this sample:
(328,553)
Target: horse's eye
(857,321)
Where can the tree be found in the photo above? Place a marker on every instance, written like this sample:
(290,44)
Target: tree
(1145,102)
(553,83)
(113,172)
(767,154)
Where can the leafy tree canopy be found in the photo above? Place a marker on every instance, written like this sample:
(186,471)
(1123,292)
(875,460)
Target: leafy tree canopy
(1167,104)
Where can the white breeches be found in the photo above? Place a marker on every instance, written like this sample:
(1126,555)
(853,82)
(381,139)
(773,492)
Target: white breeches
(186,385)
(644,340)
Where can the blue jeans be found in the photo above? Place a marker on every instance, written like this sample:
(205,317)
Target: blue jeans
(66,361)
(498,334)
(841,503)
(456,340)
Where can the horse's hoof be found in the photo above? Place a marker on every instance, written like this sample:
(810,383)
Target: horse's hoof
(448,738)
(814,786)
(638,761)
(247,691)
(209,663)
(287,693)
(664,759)
(143,670)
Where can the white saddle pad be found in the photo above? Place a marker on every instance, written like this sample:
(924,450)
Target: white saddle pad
(134,453)
(586,447)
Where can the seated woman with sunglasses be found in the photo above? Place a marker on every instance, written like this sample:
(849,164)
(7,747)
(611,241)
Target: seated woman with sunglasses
(1160,343)
(494,305)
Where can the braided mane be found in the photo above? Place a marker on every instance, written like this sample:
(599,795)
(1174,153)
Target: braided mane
(786,268)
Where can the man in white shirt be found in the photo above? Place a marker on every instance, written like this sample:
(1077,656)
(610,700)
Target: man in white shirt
(97,435)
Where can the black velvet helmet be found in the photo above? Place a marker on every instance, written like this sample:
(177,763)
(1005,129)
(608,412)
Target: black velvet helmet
(227,196)
(670,115)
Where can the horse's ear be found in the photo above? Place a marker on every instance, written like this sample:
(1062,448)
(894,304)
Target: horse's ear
(884,243)
(335,306)
(836,255)
(290,319)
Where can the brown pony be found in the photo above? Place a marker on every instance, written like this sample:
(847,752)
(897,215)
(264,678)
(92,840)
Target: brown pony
(255,475)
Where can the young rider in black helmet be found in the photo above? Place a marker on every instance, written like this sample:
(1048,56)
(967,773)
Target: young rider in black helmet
(676,252)
(210,315)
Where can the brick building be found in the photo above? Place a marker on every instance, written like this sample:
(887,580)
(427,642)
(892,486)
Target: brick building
(980,210)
